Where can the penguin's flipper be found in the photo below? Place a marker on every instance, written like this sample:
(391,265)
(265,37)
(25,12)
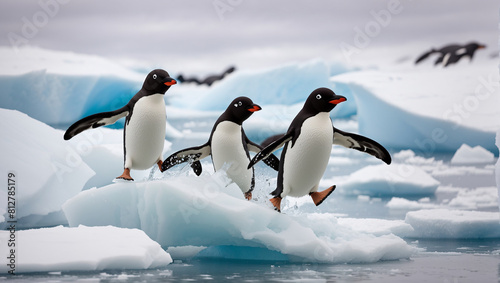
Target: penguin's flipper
(424,56)
(271,161)
(362,144)
(268,150)
(197,167)
(440,59)
(452,58)
(95,121)
(270,140)
(193,153)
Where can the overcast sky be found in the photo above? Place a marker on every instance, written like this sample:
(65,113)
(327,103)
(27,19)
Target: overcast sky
(209,35)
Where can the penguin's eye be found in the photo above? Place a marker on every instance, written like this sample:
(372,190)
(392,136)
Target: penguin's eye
(154,76)
(239,103)
(318,96)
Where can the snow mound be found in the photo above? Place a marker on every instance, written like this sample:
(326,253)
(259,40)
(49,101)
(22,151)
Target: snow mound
(206,213)
(393,180)
(454,224)
(83,249)
(428,111)
(48,171)
(471,155)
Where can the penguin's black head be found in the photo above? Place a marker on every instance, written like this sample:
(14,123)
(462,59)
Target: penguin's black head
(158,81)
(240,109)
(322,100)
(473,46)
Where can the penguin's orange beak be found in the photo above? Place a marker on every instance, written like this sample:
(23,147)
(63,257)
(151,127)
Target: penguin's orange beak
(481,46)
(337,99)
(254,108)
(171,82)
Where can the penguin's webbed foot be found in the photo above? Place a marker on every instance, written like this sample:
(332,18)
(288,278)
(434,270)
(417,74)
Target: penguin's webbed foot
(248,195)
(319,197)
(276,201)
(125,175)
(160,163)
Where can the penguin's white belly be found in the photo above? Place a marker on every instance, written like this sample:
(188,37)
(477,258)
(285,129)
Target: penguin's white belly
(145,132)
(306,161)
(227,147)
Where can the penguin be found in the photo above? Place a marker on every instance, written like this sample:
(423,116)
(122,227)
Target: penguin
(229,144)
(145,124)
(208,80)
(451,54)
(307,147)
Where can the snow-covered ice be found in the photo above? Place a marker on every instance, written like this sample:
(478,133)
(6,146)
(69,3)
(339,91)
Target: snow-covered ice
(52,170)
(49,170)
(436,109)
(388,180)
(57,87)
(203,214)
(287,85)
(82,249)
(470,155)
(454,224)
(405,204)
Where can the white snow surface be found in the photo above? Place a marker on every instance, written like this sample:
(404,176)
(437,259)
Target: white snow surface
(203,214)
(388,180)
(470,155)
(82,249)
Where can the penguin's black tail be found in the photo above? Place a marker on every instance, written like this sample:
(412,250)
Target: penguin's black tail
(425,55)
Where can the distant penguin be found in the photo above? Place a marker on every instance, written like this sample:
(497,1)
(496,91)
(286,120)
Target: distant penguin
(145,124)
(451,54)
(307,147)
(208,80)
(229,144)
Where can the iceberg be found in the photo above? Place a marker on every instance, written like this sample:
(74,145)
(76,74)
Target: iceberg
(453,224)
(397,180)
(284,85)
(470,155)
(206,213)
(58,88)
(497,166)
(50,170)
(81,249)
(428,111)
(47,169)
